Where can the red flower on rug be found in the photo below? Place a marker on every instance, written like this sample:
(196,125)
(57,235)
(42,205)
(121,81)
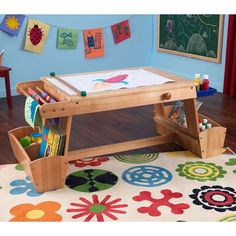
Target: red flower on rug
(94,161)
(97,208)
(152,210)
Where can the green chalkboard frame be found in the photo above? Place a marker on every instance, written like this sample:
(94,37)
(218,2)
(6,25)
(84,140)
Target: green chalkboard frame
(217,59)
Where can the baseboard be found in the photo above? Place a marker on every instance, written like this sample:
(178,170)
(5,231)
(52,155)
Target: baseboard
(3,92)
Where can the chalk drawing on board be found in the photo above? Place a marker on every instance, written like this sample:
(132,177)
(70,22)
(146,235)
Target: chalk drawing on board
(191,35)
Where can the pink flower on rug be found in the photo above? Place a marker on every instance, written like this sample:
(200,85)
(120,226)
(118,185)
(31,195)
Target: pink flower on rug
(93,161)
(152,210)
(2,166)
(97,208)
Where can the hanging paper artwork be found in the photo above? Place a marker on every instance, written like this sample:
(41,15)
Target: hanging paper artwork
(121,31)
(32,115)
(12,24)
(36,35)
(93,43)
(67,38)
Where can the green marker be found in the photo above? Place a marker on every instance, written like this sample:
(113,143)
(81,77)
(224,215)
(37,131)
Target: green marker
(52,74)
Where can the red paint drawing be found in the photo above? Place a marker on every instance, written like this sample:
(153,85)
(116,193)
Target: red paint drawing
(121,31)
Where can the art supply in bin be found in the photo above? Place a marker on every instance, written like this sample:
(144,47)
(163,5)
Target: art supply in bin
(53,141)
(205,83)
(204,124)
(32,139)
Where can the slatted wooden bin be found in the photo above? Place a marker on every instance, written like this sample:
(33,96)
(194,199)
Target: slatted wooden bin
(47,173)
(205,144)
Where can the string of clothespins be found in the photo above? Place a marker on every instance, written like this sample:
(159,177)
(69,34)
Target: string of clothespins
(80,29)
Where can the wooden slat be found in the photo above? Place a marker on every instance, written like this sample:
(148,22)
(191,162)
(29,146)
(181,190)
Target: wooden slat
(191,116)
(120,147)
(91,104)
(66,126)
(173,126)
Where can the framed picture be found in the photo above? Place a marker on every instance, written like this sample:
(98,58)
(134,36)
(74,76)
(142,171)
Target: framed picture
(196,36)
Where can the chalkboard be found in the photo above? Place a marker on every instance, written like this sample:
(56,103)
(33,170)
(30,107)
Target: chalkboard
(197,36)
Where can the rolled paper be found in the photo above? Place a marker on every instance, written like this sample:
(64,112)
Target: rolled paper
(47,98)
(34,95)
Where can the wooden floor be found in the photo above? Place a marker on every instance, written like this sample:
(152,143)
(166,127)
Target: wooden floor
(116,126)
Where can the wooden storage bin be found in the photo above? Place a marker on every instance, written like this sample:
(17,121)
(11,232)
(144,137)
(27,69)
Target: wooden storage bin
(205,144)
(211,140)
(46,173)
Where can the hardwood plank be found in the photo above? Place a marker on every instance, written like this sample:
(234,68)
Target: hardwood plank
(122,146)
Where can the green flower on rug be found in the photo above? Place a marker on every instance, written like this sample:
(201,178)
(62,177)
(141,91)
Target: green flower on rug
(19,167)
(137,158)
(231,162)
(91,180)
(200,171)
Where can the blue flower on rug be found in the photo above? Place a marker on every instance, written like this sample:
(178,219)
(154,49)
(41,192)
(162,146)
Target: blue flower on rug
(147,176)
(216,198)
(23,186)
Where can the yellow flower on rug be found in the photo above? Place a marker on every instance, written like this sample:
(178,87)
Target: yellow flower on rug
(44,211)
(177,154)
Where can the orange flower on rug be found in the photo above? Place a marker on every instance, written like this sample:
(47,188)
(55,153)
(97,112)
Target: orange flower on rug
(44,211)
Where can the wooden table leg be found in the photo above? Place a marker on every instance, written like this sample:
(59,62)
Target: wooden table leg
(66,126)
(8,90)
(159,111)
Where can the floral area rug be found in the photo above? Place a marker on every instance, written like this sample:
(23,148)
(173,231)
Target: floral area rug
(170,186)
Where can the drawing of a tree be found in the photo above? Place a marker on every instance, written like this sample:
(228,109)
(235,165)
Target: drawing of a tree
(117,35)
(126,30)
(118,27)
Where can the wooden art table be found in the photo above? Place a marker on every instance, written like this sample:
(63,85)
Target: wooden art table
(204,144)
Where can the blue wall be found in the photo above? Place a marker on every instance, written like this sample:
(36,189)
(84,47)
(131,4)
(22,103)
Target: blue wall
(136,51)
(140,50)
(187,66)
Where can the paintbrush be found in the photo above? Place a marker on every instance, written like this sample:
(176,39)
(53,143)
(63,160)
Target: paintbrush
(2,52)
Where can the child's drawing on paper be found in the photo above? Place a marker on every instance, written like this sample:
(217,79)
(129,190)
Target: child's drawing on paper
(36,36)
(32,116)
(98,82)
(121,31)
(12,24)
(93,43)
(67,38)
(103,83)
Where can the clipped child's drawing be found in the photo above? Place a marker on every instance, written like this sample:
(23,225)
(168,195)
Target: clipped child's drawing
(36,35)
(121,31)
(11,24)
(93,43)
(67,38)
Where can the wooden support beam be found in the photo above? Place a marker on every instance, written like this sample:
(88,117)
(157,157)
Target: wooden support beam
(190,107)
(120,147)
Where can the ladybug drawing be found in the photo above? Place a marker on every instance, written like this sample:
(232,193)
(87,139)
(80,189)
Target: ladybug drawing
(35,35)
